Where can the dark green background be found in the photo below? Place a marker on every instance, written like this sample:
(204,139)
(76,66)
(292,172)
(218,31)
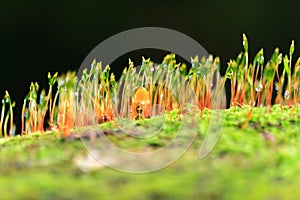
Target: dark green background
(41,36)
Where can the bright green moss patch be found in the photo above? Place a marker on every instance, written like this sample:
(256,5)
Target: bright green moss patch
(256,157)
(260,160)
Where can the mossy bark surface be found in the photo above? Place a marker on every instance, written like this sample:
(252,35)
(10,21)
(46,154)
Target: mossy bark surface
(256,157)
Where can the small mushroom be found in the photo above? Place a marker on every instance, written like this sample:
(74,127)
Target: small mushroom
(141,104)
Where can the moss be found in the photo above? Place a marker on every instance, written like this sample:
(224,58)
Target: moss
(244,164)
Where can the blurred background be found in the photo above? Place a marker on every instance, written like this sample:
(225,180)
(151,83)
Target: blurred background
(37,37)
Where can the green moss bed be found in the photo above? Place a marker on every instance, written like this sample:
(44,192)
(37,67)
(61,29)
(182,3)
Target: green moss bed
(256,157)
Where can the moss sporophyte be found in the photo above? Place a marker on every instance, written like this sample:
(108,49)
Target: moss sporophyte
(134,96)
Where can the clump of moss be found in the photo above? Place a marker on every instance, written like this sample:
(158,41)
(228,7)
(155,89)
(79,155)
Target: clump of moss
(97,97)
